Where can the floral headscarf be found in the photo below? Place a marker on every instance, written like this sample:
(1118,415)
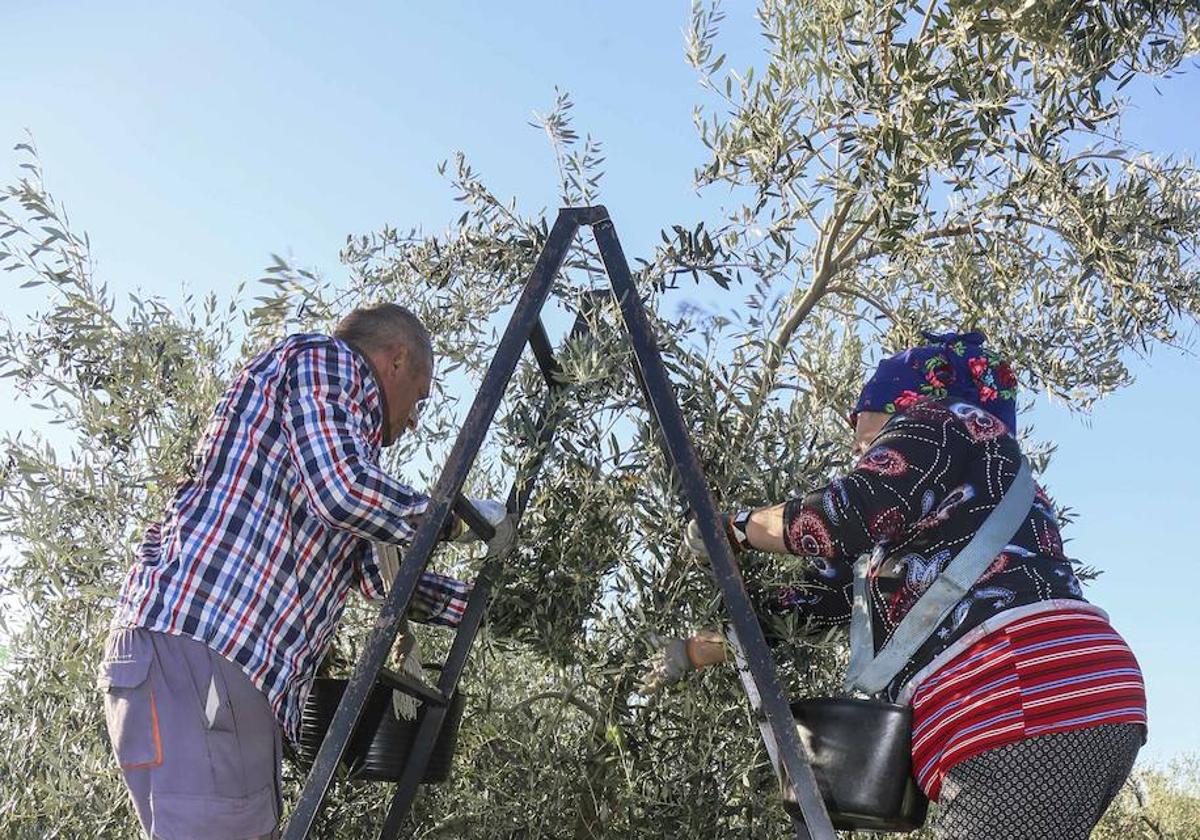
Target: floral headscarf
(951,365)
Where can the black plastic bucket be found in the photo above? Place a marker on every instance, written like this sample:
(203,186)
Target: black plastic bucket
(378,749)
(861,756)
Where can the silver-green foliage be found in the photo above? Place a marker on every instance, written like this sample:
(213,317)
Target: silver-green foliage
(1159,803)
(897,167)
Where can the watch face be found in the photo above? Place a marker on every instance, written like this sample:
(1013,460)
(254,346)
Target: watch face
(740,522)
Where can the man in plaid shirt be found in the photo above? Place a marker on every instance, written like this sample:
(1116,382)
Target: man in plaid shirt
(236,593)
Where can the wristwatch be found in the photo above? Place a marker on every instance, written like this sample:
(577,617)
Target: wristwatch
(738,523)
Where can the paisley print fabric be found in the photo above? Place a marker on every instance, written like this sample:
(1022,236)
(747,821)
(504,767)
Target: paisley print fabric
(979,424)
(884,461)
(931,478)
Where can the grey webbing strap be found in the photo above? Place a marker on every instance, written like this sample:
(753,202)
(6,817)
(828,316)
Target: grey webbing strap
(871,672)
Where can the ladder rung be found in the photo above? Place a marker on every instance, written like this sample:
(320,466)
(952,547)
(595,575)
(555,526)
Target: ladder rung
(412,687)
(474,519)
(540,342)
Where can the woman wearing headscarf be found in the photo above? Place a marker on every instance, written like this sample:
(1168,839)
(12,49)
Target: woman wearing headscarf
(1028,708)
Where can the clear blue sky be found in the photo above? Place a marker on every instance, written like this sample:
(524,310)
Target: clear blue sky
(191,144)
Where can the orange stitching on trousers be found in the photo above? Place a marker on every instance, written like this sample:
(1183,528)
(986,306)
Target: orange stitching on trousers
(157,760)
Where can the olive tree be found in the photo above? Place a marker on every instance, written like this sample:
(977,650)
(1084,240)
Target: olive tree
(1157,803)
(895,167)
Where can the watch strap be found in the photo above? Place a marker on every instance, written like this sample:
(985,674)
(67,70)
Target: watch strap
(737,525)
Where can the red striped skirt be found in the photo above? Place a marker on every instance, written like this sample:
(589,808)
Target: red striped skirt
(1052,672)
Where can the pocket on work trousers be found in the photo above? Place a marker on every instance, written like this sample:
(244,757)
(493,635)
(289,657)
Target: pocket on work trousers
(129,705)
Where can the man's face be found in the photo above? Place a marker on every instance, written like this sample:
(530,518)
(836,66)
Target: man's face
(406,382)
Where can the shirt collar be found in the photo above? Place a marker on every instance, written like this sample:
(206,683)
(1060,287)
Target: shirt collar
(385,425)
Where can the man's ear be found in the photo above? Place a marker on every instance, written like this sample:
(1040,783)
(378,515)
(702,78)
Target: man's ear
(400,358)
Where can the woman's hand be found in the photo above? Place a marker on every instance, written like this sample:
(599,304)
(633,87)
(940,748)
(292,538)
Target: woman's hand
(750,530)
(675,658)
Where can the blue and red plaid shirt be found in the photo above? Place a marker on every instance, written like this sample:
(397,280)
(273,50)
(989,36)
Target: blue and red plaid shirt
(262,543)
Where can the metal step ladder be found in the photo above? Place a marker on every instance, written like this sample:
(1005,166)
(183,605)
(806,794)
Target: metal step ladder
(757,671)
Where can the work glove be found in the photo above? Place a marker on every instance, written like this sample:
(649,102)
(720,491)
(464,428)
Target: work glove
(405,706)
(693,540)
(506,534)
(667,665)
(497,515)
(490,509)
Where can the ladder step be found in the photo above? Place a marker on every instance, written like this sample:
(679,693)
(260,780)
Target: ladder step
(474,519)
(413,687)
(540,342)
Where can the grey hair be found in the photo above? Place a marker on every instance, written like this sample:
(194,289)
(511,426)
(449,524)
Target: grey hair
(384,325)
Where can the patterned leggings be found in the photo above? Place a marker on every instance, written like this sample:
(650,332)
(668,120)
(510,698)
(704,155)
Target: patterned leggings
(1052,787)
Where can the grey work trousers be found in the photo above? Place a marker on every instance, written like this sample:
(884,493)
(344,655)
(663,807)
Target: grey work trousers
(197,743)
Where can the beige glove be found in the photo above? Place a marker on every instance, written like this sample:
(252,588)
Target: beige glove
(389,564)
(497,515)
(693,540)
(404,706)
(669,664)
(675,658)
